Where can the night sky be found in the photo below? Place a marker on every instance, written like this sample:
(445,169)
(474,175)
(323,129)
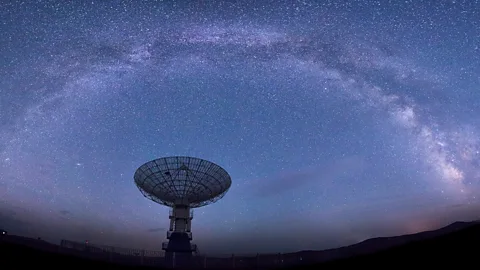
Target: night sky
(338,121)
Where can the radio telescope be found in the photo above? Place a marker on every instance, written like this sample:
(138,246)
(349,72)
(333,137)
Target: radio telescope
(181,183)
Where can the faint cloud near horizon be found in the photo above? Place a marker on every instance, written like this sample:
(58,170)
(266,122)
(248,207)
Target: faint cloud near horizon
(65,212)
(328,172)
(156,230)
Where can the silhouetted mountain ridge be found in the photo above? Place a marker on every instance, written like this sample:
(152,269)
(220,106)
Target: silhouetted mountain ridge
(377,244)
(387,242)
(455,248)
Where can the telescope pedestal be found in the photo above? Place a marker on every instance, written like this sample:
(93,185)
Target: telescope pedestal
(178,250)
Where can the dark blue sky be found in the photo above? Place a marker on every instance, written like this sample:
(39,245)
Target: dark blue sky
(341,119)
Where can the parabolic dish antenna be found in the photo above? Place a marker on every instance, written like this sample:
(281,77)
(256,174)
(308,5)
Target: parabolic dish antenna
(181,183)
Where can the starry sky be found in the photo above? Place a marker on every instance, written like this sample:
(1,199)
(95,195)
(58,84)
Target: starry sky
(338,121)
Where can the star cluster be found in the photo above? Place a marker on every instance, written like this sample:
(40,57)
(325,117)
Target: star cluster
(345,120)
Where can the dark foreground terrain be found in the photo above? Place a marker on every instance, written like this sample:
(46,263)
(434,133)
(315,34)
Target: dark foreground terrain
(457,245)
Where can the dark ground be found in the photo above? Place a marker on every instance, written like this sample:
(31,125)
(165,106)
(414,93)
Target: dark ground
(460,248)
